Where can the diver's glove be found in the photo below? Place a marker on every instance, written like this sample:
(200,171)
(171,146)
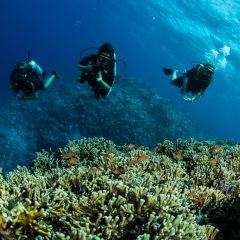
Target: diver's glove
(16,96)
(96,69)
(54,73)
(56,76)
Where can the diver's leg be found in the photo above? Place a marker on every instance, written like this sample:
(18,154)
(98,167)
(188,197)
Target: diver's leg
(174,76)
(48,82)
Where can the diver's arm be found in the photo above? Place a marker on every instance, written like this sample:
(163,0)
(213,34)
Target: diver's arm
(17,96)
(15,93)
(198,95)
(32,96)
(87,68)
(103,84)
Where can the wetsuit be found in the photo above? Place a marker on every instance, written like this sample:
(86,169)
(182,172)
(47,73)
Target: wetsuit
(28,85)
(194,83)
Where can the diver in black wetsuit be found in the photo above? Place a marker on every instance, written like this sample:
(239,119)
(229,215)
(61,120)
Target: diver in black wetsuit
(99,70)
(195,80)
(25,78)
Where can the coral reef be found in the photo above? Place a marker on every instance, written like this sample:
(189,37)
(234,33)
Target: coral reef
(174,192)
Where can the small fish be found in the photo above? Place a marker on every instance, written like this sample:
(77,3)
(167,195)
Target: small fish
(232,157)
(182,144)
(133,162)
(138,148)
(116,172)
(93,170)
(126,154)
(131,145)
(72,161)
(201,198)
(178,156)
(213,161)
(214,148)
(109,151)
(106,155)
(68,155)
(191,193)
(141,158)
(76,189)
(155,149)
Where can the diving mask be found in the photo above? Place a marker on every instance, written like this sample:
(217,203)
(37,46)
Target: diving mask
(209,70)
(104,59)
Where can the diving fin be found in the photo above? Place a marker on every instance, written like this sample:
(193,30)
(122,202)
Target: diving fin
(168,71)
(56,76)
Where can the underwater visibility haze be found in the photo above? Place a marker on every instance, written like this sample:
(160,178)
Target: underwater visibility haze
(142,163)
(147,35)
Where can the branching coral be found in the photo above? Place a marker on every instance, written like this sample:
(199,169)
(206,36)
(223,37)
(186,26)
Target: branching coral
(25,220)
(158,197)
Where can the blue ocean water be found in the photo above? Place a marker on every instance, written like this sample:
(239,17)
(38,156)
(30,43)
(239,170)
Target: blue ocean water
(147,34)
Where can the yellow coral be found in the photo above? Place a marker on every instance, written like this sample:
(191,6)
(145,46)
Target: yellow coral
(27,219)
(147,200)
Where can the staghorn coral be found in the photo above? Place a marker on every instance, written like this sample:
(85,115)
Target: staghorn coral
(157,198)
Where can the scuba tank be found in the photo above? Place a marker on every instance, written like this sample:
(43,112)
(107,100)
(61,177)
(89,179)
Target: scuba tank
(35,68)
(33,65)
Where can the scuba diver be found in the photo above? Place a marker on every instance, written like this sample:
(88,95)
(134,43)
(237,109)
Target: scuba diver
(99,70)
(25,77)
(195,80)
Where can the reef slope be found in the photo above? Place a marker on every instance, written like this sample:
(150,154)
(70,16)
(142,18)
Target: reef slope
(133,113)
